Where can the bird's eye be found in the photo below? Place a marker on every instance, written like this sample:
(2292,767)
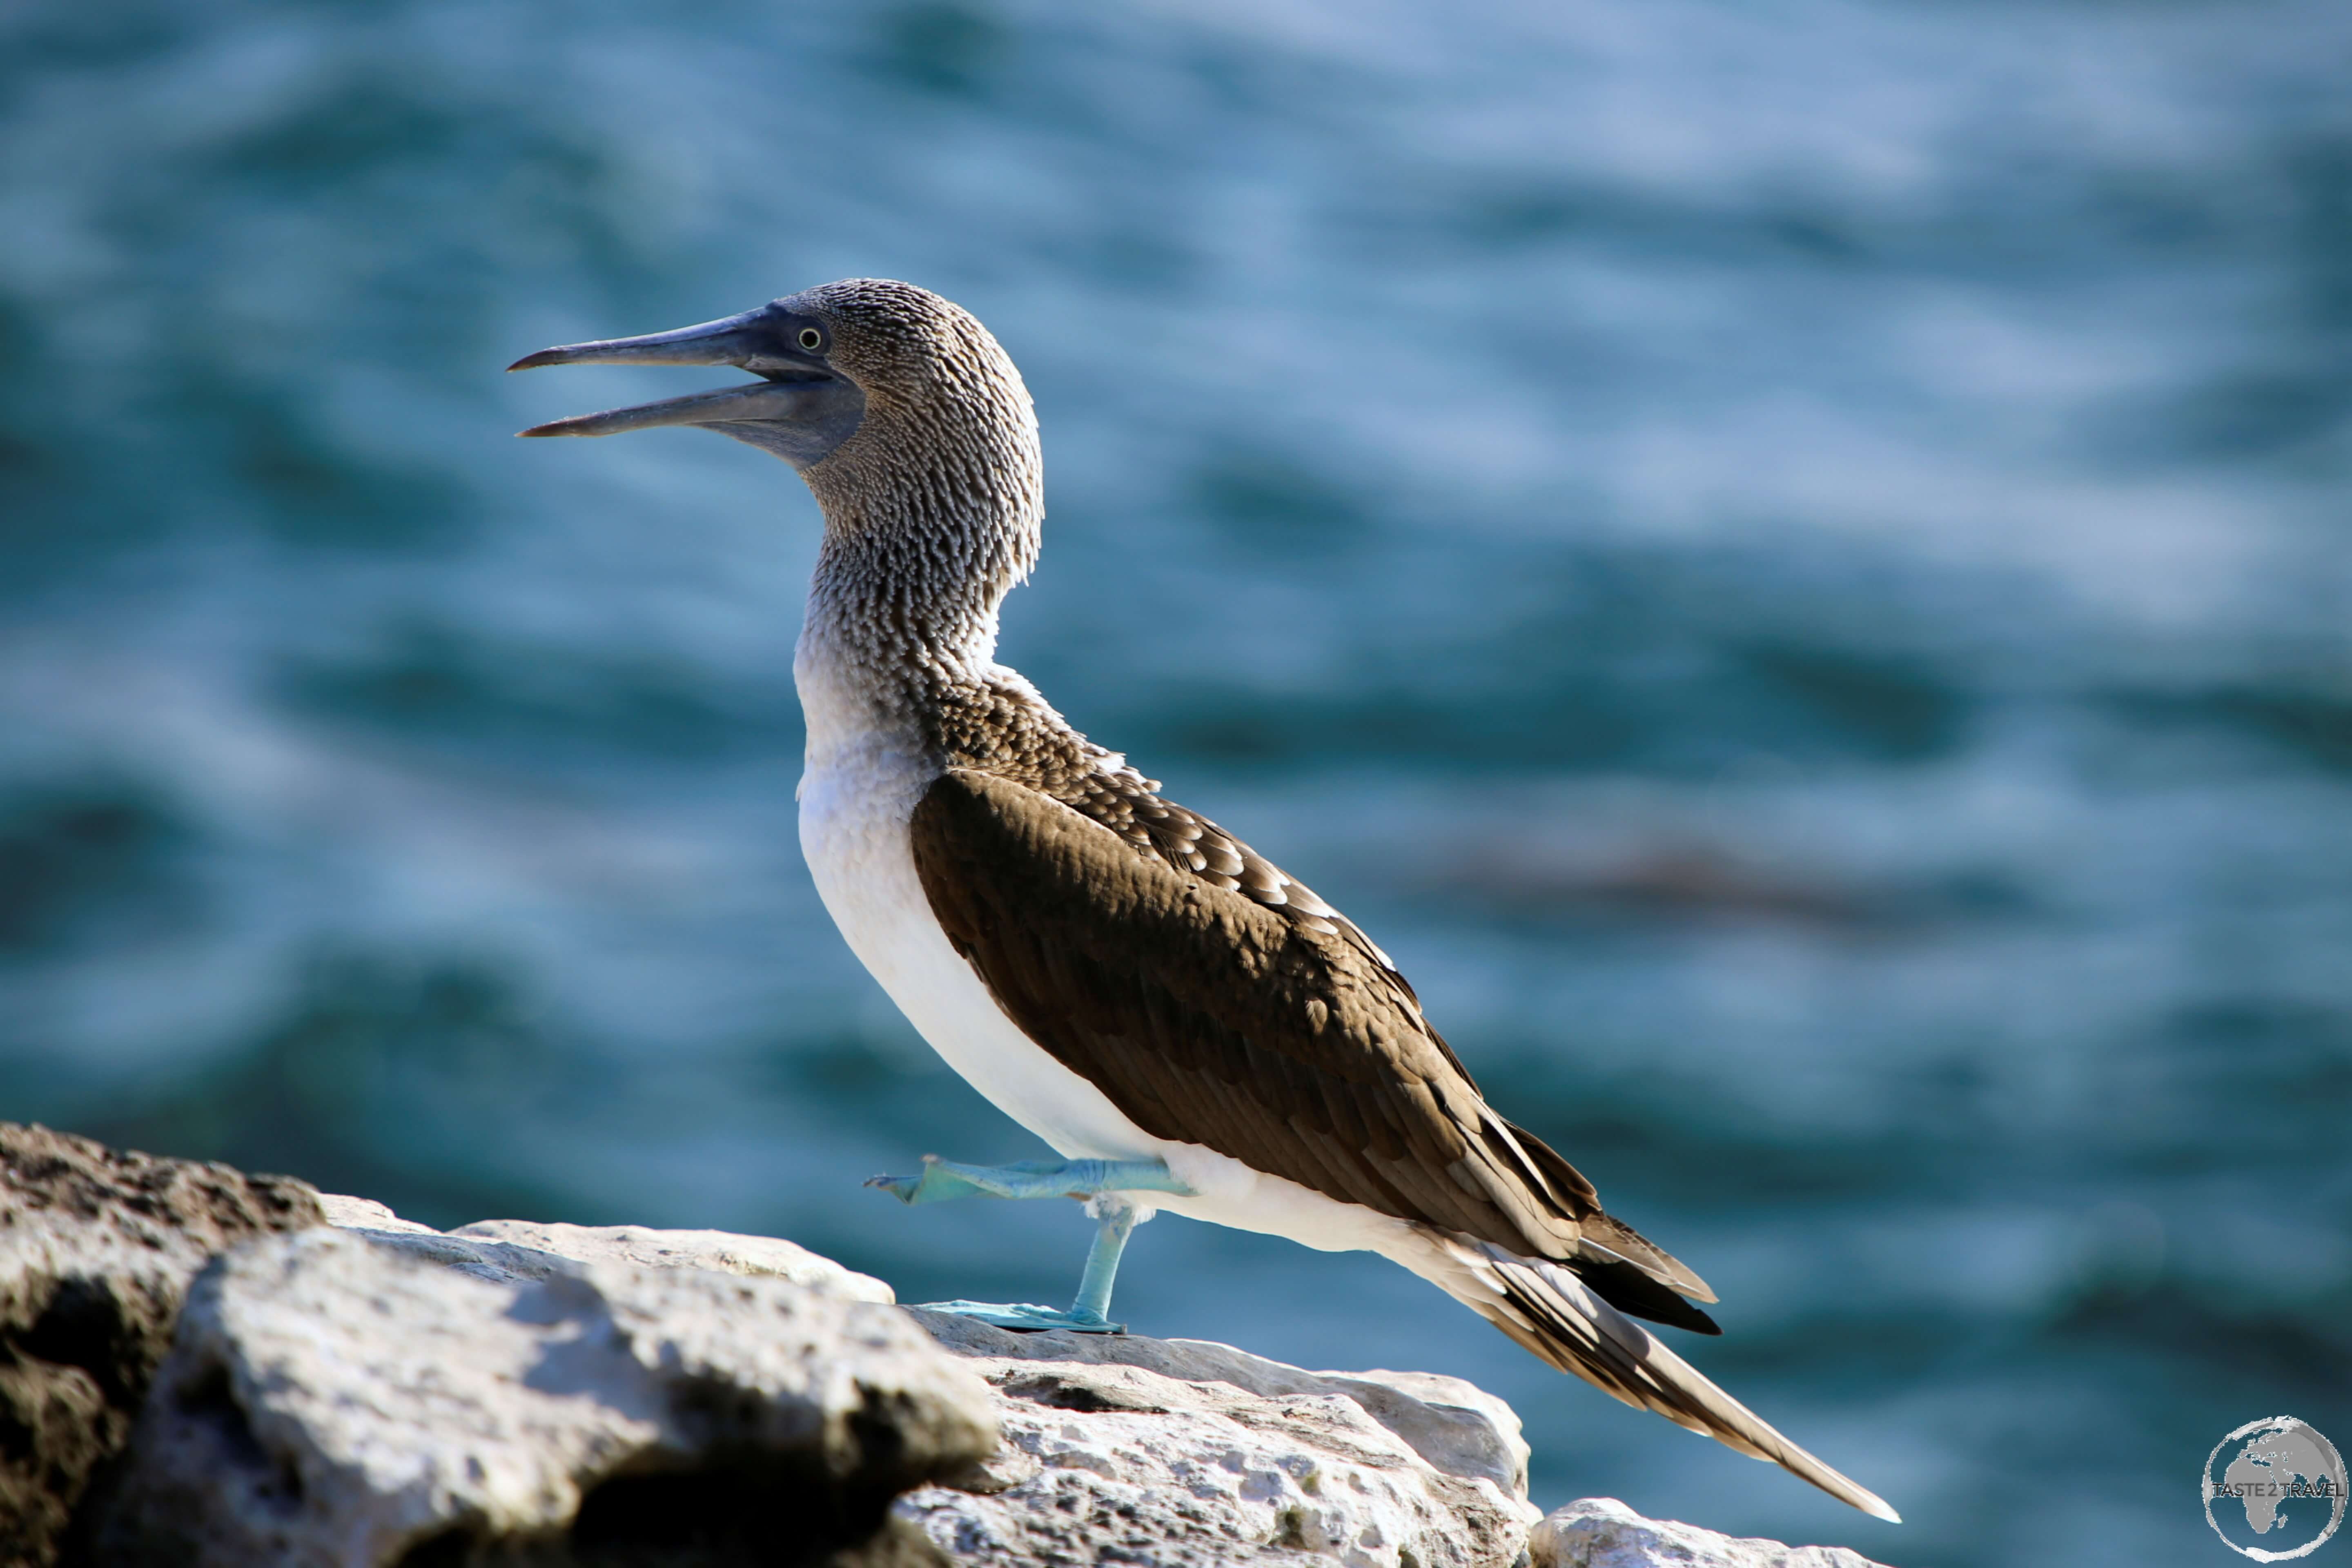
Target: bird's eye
(811,339)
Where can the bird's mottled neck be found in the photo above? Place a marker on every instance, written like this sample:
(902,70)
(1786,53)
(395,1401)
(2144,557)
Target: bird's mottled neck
(931,516)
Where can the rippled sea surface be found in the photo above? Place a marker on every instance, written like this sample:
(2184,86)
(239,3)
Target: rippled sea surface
(1789,561)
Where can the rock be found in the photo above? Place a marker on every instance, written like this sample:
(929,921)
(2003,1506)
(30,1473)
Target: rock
(558,1396)
(1184,1452)
(504,1251)
(1181,1450)
(349,1213)
(721,1252)
(1601,1532)
(332,1400)
(96,1248)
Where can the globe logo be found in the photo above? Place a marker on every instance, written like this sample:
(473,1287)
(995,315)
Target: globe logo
(2275,1489)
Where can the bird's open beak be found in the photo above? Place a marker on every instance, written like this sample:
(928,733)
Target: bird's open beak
(729,341)
(767,402)
(800,408)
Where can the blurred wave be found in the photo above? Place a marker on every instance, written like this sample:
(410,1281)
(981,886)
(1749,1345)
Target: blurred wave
(1787,560)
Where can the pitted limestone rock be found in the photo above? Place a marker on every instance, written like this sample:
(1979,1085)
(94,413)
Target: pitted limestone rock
(1171,1451)
(97,1247)
(504,1251)
(1601,1532)
(329,1400)
(1184,1452)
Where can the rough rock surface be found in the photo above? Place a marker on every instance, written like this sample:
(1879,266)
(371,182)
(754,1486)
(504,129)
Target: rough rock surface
(1601,1532)
(96,1248)
(330,1400)
(557,1396)
(506,1251)
(1121,1448)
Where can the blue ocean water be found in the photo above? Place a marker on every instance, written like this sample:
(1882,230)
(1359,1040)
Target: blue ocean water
(1789,561)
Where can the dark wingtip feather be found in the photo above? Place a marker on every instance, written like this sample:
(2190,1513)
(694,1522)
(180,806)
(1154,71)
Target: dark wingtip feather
(1635,1293)
(1553,1310)
(1613,1237)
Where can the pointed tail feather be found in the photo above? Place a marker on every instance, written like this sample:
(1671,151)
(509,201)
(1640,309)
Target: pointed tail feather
(1552,1313)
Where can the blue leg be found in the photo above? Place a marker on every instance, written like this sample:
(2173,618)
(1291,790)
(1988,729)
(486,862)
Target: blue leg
(1099,1182)
(1116,1223)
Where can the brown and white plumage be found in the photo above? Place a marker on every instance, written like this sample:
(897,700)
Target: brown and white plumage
(1217,1002)
(1116,973)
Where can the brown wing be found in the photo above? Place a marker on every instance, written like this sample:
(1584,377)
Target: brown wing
(1217,1002)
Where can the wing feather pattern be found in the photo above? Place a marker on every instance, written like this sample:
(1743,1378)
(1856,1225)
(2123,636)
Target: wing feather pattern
(1217,1002)
(1262,1024)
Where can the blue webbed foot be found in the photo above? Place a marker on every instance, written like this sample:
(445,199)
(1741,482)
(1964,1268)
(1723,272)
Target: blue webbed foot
(944,1179)
(1100,1182)
(1023,1319)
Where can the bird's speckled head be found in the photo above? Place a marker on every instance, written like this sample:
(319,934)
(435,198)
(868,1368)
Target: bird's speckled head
(830,360)
(908,422)
(898,341)
(948,444)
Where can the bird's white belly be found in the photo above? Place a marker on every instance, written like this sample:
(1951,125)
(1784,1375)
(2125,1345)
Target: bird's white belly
(854,829)
(854,832)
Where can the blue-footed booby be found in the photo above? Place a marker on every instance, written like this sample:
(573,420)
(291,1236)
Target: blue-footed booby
(1187,1027)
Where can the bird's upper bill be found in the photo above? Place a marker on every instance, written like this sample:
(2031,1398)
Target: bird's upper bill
(801,408)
